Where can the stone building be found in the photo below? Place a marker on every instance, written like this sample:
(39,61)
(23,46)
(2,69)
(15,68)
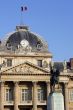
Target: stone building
(25,72)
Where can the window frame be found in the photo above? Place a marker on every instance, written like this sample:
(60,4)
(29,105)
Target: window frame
(9,95)
(71,95)
(9,62)
(25,95)
(39,62)
(41,95)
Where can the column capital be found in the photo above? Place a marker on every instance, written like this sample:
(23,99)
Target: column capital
(2,82)
(47,82)
(65,84)
(34,82)
(16,82)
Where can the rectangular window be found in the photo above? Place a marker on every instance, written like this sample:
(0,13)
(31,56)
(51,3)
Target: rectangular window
(9,62)
(26,95)
(41,95)
(40,63)
(71,95)
(9,94)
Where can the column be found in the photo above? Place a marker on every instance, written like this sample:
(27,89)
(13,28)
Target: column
(16,95)
(34,96)
(2,96)
(66,96)
(48,91)
(48,88)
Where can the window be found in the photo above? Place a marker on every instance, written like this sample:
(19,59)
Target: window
(40,63)
(9,62)
(71,95)
(9,94)
(39,46)
(41,94)
(8,46)
(26,95)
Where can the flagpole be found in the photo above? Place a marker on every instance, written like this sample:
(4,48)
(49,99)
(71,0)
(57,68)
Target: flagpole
(23,9)
(21,20)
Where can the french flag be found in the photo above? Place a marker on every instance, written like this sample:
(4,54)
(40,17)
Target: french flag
(23,8)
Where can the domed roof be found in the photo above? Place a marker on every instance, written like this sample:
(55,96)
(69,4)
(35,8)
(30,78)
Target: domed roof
(18,39)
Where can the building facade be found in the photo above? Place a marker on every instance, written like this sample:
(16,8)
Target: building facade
(25,72)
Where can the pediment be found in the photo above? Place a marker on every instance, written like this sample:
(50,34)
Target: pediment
(26,68)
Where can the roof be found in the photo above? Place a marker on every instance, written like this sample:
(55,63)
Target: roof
(13,40)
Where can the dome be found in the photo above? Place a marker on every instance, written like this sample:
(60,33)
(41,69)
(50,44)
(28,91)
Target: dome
(21,37)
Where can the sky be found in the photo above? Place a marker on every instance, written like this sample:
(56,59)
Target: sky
(51,19)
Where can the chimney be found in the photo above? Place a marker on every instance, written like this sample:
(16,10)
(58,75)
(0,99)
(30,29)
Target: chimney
(71,63)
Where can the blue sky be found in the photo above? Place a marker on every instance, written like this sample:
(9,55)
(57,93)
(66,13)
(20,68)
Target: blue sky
(52,19)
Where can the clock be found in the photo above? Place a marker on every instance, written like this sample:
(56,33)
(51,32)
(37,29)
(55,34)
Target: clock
(24,43)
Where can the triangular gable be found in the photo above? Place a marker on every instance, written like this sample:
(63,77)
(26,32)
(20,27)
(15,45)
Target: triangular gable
(26,68)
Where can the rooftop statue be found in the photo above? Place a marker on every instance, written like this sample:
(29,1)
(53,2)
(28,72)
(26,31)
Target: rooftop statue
(65,65)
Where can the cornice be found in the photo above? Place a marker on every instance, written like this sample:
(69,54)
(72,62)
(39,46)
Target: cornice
(23,74)
(25,55)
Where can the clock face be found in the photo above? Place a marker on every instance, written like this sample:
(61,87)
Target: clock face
(24,43)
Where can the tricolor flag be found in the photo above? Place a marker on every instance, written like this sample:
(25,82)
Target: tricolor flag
(23,8)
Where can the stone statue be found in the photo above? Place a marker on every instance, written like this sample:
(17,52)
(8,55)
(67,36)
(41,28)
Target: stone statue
(3,64)
(65,65)
(52,65)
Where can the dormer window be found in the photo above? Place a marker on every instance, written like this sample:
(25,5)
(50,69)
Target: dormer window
(8,46)
(39,45)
